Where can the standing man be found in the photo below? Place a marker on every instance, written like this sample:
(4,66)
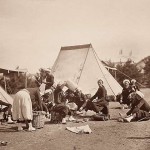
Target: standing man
(46,81)
(49,79)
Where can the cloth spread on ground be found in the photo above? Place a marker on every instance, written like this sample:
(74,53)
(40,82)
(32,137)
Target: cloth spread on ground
(82,129)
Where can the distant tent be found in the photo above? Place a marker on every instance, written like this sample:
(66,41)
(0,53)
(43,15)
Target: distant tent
(12,74)
(7,71)
(5,97)
(81,65)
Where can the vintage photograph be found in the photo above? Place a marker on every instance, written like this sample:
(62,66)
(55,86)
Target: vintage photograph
(74,74)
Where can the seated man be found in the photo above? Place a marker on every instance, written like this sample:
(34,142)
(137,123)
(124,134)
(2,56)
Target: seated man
(99,105)
(80,98)
(125,93)
(134,86)
(139,108)
(60,103)
(7,108)
(47,102)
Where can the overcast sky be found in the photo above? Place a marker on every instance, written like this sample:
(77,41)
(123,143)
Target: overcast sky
(33,31)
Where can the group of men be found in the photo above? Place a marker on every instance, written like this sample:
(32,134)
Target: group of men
(131,96)
(53,100)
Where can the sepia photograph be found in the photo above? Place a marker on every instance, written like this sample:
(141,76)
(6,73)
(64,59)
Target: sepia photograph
(74,74)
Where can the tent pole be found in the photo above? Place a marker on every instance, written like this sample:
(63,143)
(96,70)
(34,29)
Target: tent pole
(5,83)
(115,75)
(26,80)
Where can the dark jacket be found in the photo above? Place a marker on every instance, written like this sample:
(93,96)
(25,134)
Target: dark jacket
(137,105)
(35,97)
(125,93)
(135,88)
(58,95)
(101,94)
(49,81)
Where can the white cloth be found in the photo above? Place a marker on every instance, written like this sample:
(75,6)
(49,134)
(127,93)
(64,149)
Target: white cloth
(82,129)
(126,80)
(42,88)
(140,94)
(72,106)
(22,106)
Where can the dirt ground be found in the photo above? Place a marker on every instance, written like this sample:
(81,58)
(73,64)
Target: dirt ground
(108,135)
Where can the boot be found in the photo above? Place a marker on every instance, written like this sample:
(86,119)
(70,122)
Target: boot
(71,118)
(128,119)
(20,127)
(122,106)
(122,115)
(64,121)
(30,127)
(9,120)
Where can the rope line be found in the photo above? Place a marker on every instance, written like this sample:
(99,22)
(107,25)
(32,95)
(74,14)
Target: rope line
(129,77)
(102,71)
(78,78)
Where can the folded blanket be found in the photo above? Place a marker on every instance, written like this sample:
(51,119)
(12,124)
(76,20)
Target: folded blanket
(82,129)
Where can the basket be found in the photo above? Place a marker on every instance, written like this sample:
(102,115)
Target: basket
(38,119)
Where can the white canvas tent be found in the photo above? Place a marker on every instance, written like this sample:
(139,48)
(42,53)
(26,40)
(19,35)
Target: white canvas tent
(81,65)
(5,97)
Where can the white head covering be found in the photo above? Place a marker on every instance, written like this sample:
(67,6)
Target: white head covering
(48,91)
(140,94)
(133,80)
(61,83)
(126,80)
(132,95)
(45,69)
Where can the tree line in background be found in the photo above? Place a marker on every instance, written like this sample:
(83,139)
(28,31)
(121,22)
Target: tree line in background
(127,70)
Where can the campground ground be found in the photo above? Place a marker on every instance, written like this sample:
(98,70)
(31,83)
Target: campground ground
(109,135)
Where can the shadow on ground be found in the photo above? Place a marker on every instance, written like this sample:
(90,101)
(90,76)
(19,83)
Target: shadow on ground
(138,138)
